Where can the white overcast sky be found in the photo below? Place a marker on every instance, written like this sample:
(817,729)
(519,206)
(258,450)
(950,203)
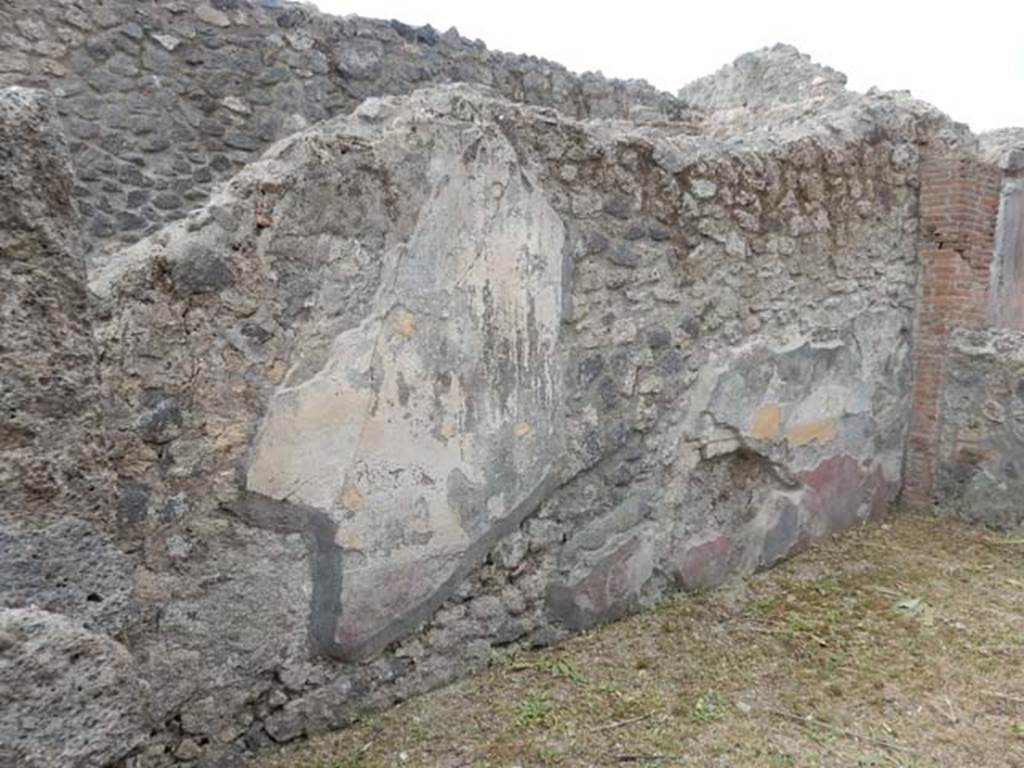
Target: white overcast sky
(967,58)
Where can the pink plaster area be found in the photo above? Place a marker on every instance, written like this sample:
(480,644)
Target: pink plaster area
(706,565)
(840,493)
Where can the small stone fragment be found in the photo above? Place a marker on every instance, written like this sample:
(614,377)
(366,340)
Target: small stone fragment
(213,16)
(169,42)
(235,104)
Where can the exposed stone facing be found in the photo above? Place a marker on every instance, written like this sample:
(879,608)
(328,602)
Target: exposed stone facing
(964,451)
(71,568)
(162,99)
(70,693)
(1004,149)
(980,455)
(766,81)
(583,364)
(52,454)
(462,368)
(70,696)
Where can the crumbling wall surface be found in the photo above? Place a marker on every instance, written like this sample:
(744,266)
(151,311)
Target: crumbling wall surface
(70,692)
(162,99)
(972,253)
(772,84)
(452,373)
(980,468)
(71,696)
(1004,149)
(979,446)
(764,80)
(50,440)
(456,370)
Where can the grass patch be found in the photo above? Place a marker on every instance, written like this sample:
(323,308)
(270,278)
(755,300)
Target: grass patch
(533,711)
(899,644)
(708,708)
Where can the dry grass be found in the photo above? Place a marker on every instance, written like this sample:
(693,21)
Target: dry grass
(895,645)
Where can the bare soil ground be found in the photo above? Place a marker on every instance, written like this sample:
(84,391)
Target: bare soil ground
(900,644)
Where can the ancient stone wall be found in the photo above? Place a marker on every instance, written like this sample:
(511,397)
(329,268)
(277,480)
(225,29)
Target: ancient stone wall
(51,442)
(981,446)
(966,451)
(160,100)
(468,367)
(529,373)
(764,85)
(70,691)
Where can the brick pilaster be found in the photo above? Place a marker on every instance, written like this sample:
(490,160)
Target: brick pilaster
(959,203)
